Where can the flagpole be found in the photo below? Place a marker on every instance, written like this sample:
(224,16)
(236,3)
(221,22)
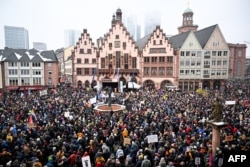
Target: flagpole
(92,84)
(118,81)
(114,73)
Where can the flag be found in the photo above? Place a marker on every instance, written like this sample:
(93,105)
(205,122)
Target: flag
(32,114)
(21,94)
(114,73)
(94,75)
(133,75)
(30,120)
(118,73)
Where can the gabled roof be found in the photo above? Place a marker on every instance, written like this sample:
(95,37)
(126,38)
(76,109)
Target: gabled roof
(177,40)
(9,54)
(203,35)
(25,58)
(143,41)
(36,58)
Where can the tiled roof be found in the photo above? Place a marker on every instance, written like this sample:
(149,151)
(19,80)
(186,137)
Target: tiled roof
(203,35)
(9,54)
(177,40)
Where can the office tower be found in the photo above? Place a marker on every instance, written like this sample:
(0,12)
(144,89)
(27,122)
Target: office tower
(16,37)
(152,19)
(39,46)
(138,32)
(133,28)
(71,37)
(131,24)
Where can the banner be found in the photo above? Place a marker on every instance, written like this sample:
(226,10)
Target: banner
(230,102)
(93,100)
(152,138)
(43,92)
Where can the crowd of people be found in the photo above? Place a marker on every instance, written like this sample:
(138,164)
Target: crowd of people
(61,127)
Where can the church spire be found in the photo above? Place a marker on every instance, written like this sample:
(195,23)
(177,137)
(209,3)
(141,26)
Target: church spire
(187,21)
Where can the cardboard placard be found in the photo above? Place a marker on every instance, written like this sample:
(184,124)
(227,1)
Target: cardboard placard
(86,161)
(126,140)
(229,138)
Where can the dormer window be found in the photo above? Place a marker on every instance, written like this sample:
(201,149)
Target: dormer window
(216,43)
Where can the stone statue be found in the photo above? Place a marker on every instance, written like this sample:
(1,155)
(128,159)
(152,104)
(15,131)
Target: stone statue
(217,113)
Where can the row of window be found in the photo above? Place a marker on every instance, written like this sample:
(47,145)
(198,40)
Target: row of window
(117,44)
(205,72)
(158,71)
(118,62)
(206,63)
(27,72)
(25,64)
(89,51)
(25,81)
(86,61)
(161,59)
(207,54)
(85,71)
(157,50)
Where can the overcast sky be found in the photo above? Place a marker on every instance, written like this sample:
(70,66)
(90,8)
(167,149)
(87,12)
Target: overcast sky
(46,20)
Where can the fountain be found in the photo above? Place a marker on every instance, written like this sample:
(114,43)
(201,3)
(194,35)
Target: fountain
(107,108)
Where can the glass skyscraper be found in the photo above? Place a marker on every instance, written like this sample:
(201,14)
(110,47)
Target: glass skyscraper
(71,37)
(16,37)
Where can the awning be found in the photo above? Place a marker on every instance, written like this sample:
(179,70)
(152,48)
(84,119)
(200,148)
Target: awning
(12,87)
(37,87)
